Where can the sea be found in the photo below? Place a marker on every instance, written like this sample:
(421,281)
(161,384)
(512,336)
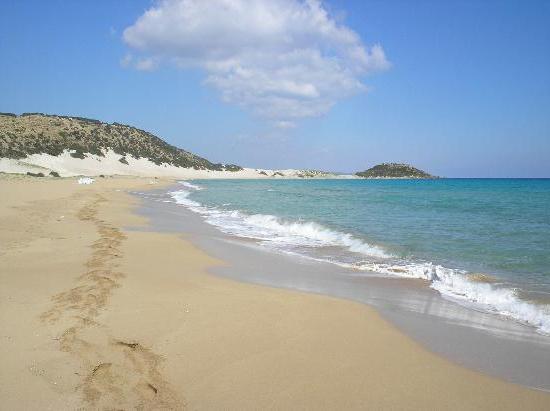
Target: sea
(484,243)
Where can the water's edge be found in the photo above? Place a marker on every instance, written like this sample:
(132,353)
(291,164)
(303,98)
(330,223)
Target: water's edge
(304,235)
(476,340)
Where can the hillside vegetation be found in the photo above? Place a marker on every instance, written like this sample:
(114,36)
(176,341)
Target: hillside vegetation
(37,133)
(394,170)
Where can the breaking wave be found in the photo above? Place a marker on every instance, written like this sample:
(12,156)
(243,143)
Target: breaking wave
(304,237)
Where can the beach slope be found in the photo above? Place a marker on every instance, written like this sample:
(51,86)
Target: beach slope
(97,315)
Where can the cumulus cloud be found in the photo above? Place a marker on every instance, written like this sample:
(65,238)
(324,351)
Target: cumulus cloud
(283,59)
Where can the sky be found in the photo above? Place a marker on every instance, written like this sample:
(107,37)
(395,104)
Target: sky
(457,88)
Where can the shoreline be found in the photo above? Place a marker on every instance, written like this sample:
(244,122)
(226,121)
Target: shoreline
(102,309)
(478,340)
(316,232)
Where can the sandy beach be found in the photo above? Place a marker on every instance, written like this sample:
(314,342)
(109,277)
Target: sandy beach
(97,315)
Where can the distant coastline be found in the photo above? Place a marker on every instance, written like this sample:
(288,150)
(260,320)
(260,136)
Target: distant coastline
(52,145)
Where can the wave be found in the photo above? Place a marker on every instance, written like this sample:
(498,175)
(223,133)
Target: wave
(190,185)
(461,286)
(301,237)
(271,229)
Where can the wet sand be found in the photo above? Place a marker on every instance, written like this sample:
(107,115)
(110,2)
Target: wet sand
(489,343)
(95,315)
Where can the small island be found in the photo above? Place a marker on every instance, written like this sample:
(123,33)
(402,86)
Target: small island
(394,170)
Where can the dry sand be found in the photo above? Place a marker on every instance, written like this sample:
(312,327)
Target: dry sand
(95,316)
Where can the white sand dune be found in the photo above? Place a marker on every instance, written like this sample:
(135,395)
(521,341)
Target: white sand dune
(93,165)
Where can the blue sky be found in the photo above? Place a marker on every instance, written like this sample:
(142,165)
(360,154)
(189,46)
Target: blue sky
(467,93)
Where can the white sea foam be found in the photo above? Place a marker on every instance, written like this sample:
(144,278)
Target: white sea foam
(290,236)
(181,198)
(455,284)
(276,231)
(190,185)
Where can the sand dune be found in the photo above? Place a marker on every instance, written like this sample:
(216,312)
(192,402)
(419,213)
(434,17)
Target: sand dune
(109,164)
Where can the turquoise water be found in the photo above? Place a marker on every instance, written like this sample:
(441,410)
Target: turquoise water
(446,231)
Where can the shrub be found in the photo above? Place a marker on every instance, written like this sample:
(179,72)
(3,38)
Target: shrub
(96,151)
(35,174)
(78,154)
(53,150)
(233,167)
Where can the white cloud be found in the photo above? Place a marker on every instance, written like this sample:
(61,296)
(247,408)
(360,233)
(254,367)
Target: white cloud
(283,59)
(146,64)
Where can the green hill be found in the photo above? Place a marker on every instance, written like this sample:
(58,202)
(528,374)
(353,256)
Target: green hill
(37,133)
(394,170)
